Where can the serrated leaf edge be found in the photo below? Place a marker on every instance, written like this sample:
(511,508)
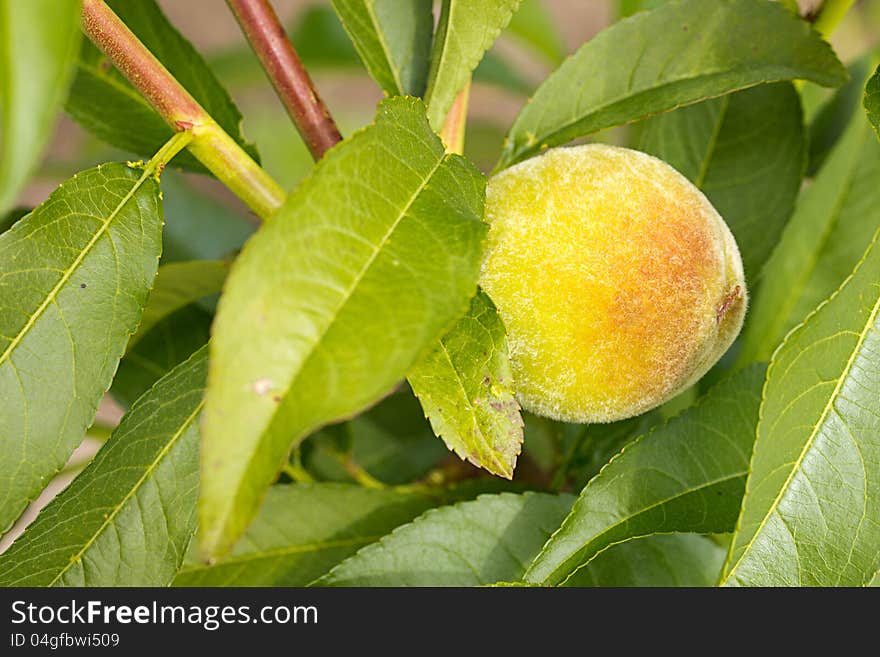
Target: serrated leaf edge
(147,472)
(330,156)
(496,466)
(29,499)
(630,445)
(423,518)
(184,426)
(729,567)
(313,546)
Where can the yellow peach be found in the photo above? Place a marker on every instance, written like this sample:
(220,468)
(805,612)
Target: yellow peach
(619,284)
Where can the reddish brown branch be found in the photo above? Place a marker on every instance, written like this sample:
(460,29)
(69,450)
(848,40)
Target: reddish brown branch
(152,79)
(266,35)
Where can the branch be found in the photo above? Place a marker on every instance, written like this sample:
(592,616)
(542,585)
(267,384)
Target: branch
(266,35)
(210,144)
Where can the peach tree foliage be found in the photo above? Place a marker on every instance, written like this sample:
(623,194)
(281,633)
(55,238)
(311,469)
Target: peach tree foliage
(329,399)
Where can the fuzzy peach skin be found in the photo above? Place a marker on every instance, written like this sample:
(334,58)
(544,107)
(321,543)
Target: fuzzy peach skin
(618,282)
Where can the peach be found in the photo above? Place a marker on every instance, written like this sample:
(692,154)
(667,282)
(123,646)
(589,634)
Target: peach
(618,282)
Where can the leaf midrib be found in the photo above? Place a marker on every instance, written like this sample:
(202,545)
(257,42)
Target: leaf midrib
(134,489)
(629,518)
(356,281)
(116,83)
(713,143)
(521,148)
(380,36)
(832,398)
(279,553)
(166,300)
(332,317)
(65,277)
(472,412)
(441,57)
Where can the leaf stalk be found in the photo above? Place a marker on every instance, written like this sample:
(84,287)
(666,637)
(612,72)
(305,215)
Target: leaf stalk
(165,154)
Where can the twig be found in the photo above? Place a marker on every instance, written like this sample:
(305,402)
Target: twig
(292,83)
(210,144)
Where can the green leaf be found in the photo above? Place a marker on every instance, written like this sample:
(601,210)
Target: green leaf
(831,118)
(467,29)
(198,226)
(466,388)
(655,560)
(36,62)
(709,48)
(393,39)
(367,264)
(872,100)
(164,347)
(392,441)
(321,41)
(302,531)
(832,225)
(323,45)
(533,25)
(105,103)
(687,475)
(746,152)
(811,512)
(127,518)
(488,540)
(74,277)
(179,284)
